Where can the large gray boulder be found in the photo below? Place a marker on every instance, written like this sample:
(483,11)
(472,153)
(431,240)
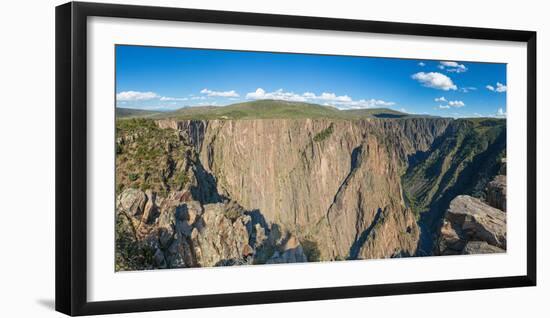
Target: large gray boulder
(480,247)
(132,202)
(469,220)
(496,192)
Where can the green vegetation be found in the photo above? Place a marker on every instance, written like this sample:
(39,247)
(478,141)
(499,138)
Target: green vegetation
(148,157)
(461,161)
(130,254)
(261,109)
(412,204)
(133,113)
(233,211)
(324,134)
(376,113)
(311,250)
(265,109)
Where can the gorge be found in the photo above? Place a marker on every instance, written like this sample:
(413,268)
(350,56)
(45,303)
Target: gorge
(217,189)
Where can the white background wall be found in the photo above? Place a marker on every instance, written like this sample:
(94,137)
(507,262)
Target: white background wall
(27,158)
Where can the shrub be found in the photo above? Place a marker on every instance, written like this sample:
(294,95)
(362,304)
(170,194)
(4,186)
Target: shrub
(233,211)
(324,134)
(311,249)
(118,149)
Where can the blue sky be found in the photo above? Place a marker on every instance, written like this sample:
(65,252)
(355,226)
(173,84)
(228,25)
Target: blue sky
(159,78)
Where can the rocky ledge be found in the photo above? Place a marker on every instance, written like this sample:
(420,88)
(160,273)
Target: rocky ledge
(496,192)
(471,226)
(178,231)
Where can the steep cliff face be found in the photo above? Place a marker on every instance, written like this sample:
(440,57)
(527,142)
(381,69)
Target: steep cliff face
(462,160)
(335,183)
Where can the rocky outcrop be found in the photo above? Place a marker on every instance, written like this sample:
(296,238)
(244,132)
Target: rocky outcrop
(471,226)
(184,233)
(291,252)
(480,247)
(496,192)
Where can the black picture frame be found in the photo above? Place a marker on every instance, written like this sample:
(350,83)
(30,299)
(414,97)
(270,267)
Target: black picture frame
(71,157)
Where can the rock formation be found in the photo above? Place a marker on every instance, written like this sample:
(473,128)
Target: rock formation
(496,192)
(277,167)
(181,232)
(471,226)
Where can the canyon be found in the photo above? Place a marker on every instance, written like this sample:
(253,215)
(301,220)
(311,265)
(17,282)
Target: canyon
(222,191)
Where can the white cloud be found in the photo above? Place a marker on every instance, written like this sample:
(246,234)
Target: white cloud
(134,95)
(500,112)
(363,103)
(450,104)
(326,98)
(198,97)
(435,80)
(211,93)
(456,103)
(214,103)
(164,98)
(467,89)
(279,94)
(452,67)
(333,97)
(460,69)
(499,88)
(422,64)
(449,63)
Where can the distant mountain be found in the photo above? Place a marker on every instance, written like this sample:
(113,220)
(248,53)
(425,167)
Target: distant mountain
(376,112)
(134,113)
(264,109)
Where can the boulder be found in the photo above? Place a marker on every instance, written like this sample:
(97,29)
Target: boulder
(496,192)
(132,202)
(291,252)
(220,240)
(150,210)
(480,247)
(469,220)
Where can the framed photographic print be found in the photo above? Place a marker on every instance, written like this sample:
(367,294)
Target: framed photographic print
(208,158)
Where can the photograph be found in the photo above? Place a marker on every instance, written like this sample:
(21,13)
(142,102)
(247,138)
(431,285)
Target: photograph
(227,157)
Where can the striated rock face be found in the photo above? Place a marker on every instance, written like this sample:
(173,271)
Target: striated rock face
(471,226)
(496,192)
(351,168)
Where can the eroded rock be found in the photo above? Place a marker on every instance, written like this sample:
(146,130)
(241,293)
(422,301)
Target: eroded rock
(470,225)
(496,192)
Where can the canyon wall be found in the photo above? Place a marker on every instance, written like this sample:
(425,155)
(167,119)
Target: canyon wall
(336,183)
